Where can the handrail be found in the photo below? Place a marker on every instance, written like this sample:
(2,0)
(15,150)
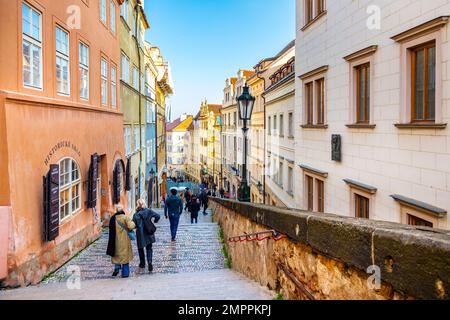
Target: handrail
(276,236)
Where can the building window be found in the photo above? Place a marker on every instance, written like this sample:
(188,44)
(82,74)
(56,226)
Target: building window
(124,11)
(361,206)
(308,11)
(320,105)
(103,11)
(281,175)
(269,126)
(113,86)
(127,138)
(309,103)
(62,62)
(84,70)
(310,192)
(363,93)
(136,138)
(320,196)
(320,6)
(32,47)
(312,10)
(423,83)
(112,16)
(104,76)
(416,221)
(135,78)
(69,188)
(125,68)
(281,125)
(291,124)
(290,184)
(275,125)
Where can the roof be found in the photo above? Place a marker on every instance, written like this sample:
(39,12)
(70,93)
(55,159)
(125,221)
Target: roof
(283,51)
(214,108)
(233,80)
(172,125)
(248,73)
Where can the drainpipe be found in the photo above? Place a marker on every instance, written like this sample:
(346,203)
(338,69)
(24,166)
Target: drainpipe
(136,9)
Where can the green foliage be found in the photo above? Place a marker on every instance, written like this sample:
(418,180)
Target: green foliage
(279,296)
(225,253)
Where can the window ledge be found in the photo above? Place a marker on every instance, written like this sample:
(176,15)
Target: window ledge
(421,125)
(361,126)
(291,137)
(315,126)
(306,26)
(360,186)
(422,206)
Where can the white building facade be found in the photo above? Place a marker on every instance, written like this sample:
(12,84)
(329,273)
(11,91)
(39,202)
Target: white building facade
(372,109)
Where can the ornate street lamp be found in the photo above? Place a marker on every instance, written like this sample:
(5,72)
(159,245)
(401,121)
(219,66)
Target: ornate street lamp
(245,104)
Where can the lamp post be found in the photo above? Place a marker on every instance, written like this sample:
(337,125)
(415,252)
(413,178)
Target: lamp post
(245,104)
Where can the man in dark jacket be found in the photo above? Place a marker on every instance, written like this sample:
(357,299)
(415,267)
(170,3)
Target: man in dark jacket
(173,210)
(143,238)
(204,201)
(187,197)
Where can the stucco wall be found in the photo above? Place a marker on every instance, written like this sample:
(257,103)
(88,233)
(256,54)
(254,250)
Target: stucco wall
(327,256)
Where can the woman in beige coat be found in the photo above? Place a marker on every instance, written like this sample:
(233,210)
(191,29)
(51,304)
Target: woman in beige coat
(119,243)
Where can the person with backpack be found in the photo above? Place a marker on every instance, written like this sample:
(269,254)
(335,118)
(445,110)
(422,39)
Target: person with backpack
(119,242)
(172,211)
(145,220)
(194,208)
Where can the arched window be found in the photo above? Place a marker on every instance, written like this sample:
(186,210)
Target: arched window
(69,188)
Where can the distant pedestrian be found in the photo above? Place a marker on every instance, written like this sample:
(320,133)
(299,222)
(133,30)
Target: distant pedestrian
(119,242)
(194,208)
(222,192)
(172,211)
(188,197)
(204,201)
(144,220)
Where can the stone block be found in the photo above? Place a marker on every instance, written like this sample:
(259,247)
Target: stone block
(416,262)
(345,239)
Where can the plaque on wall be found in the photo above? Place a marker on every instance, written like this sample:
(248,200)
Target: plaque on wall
(336,147)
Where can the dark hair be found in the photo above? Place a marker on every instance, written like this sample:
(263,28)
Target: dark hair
(174,192)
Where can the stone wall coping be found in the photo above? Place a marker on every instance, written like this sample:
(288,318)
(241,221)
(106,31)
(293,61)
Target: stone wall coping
(414,260)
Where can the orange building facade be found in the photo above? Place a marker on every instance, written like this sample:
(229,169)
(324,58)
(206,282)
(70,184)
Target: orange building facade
(60,118)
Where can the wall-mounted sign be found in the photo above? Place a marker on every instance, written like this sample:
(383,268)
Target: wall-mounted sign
(336,147)
(51,203)
(61,145)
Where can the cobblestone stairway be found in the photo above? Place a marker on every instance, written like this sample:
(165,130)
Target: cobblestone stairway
(191,268)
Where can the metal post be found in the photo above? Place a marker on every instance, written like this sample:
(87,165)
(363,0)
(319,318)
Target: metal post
(244,192)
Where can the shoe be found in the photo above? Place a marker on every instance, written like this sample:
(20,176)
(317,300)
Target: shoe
(150,267)
(173,240)
(115,273)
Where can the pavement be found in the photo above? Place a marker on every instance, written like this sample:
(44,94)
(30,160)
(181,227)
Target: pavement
(193,268)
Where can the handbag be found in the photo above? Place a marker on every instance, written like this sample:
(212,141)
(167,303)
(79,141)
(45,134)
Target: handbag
(149,226)
(131,233)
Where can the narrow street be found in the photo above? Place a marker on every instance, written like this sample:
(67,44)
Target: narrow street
(192,268)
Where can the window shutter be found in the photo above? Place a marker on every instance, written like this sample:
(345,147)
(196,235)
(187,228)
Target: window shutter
(128,176)
(92,182)
(51,203)
(116,184)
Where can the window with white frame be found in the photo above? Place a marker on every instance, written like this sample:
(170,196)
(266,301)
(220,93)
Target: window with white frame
(135,78)
(84,70)
(125,68)
(104,76)
(31,47)
(124,11)
(62,61)
(281,125)
(113,86)
(290,184)
(103,11)
(69,188)
(291,124)
(112,16)
(136,138)
(127,139)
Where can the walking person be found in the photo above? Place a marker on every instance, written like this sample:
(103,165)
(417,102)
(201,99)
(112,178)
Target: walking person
(144,219)
(188,197)
(222,192)
(204,201)
(172,211)
(194,208)
(119,242)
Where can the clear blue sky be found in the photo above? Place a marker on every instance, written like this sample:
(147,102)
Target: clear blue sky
(207,41)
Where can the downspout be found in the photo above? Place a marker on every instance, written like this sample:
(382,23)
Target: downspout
(136,8)
(265,134)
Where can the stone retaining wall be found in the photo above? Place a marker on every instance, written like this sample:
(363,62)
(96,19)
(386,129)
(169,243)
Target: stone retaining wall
(332,257)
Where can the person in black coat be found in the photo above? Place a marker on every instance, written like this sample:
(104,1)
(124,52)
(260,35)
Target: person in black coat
(144,240)
(204,201)
(194,208)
